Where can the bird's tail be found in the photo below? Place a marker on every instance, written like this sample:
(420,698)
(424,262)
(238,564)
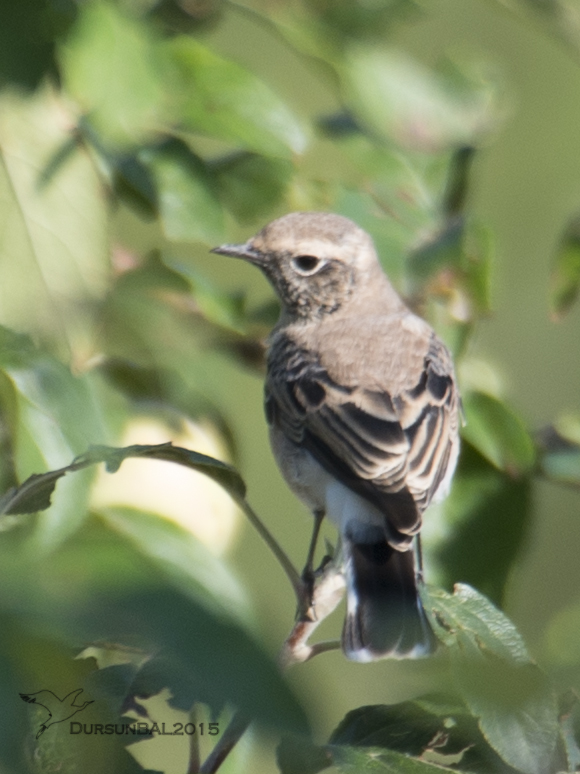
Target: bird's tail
(384,615)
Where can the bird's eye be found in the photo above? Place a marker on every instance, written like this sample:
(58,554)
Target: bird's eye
(306,264)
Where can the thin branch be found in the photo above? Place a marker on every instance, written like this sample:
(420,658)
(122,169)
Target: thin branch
(194,757)
(282,557)
(231,736)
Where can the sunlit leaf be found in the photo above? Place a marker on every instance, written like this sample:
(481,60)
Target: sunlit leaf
(114,68)
(497,433)
(468,614)
(565,283)
(188,204)
(502,687)
(400,99)
(222,99)
(53,237)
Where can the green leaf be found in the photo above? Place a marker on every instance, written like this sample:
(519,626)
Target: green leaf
(251,185)
(399,99)
(483,503)
(114,68)
(516,708)
(223,100)
(350,760)
(468,614)
(57,230)
(502,687)
(497,433)
(565,280)
(182,558)
(27,39)
(438,729)
(35,492)
(297,755)
(188,204)
(559,447)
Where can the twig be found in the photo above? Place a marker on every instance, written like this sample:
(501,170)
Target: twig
(231,736)
(194,757)
(291,572)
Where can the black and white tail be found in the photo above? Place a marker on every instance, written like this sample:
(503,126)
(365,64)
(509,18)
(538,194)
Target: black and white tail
(385,617)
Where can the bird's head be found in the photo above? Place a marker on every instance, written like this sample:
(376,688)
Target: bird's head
(314,260)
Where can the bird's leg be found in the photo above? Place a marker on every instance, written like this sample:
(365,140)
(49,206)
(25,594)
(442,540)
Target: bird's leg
(418,559)
(308,571)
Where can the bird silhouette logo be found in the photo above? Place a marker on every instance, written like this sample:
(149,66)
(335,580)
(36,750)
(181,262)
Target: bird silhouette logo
(58,709)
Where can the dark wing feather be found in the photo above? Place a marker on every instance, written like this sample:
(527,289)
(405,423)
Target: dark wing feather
(393,450)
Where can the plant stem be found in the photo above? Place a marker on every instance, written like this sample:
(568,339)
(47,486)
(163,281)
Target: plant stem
(231,736)
(194,759)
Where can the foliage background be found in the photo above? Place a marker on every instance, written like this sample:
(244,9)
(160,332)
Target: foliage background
(127,130)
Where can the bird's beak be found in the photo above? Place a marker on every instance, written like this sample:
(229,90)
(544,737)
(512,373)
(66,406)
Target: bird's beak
(245,251)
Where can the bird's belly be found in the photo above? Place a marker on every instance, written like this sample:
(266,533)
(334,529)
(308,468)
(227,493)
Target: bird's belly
(320,491)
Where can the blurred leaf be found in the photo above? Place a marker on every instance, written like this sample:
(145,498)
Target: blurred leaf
(58,231)
(561,642)
(400,100)
(497,433)
(189,208)
(35,493)
(182,558)
(218,307)
(483,504)
(565,281)
(560,456)
(357,19)
(297,755)
(8,432)
(223,100)
(501,686)
(134,184)
(251,185)
(101,587)
(114,68)
(27,39)
(444,249)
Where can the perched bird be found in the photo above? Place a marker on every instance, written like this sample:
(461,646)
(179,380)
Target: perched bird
(362,404)
(58,709)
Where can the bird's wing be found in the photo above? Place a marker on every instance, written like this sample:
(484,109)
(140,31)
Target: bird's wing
(391,445)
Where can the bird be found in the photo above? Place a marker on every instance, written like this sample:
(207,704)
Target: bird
(363,410)
(58,709)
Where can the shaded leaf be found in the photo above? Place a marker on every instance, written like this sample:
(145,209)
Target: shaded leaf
(497,433)
(437,728)
(188,205)
(181,557)
(565,280)
(251,185)
(222,99)
(483,503)
(560,454)
(297,755)
(372,761)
